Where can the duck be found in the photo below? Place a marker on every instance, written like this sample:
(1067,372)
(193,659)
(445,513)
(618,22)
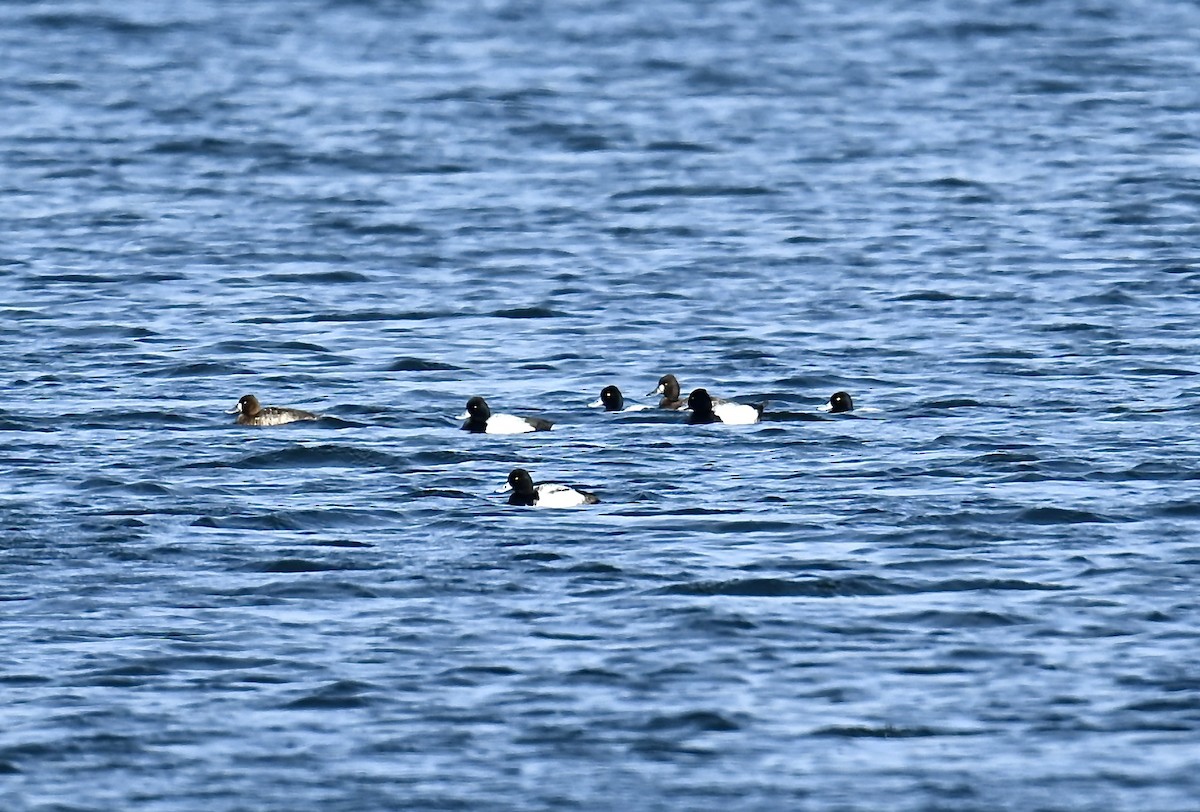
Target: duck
(252,413)
(668,387)
(840,402)
(706,410)
(543,494)
(613,401)
(480,420)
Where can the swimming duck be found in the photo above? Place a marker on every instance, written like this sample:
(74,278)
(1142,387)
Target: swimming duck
(613,401)
(480,420)
(668,387)
(705,410)
(252,413)
(840,402)
(543,494)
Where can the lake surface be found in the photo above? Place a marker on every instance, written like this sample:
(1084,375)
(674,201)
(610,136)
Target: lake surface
(978,591)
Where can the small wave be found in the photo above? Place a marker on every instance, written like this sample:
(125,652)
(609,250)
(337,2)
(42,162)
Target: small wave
(572,138)
(304,589)
(1111,297)
(861,585)
(375,229)
(986,584)
(930,296)
(594,676)
(356,316)
(113,485)
(1056,515)
(773,416)
(321,278)
(593,568)
(123,218)
(1163,372)
(409,364)
(950,182)
(380,315)
(677,146)
(801,382)
(342,543)
(109,331)
(334,422)
(692,722)
(540,556)
(1148,471)
(79,278)
(1037,476)
(691,191)
(268,346)
(942,619)
(314,519)
(471,675)
(340,695)
(528,313)
(297,565)
(92,22)
(950,403)
(319,456)
(52,83)
(682,232)
(17,314)
(439,168)
(1075,327)
(8,423)
(203,145)
(198,369)
(887,732)
(740,526)
(1175,706)
(1002,459)
(24,680)
(442,457)
(155,666)
(1179,510)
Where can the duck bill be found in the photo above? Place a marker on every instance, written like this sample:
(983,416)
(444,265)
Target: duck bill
(658,390)
(234,410)
(463,416)
(505,488)
(596,402)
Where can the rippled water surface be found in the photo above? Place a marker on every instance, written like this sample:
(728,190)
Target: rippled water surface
(976,592)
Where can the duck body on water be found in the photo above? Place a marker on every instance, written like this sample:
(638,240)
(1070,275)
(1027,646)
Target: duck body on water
(613,401)
(481,420)
(706,410)
(668,387)
(252,413)
(527,493)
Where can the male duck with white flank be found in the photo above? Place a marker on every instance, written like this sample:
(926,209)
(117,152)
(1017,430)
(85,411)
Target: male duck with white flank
(613,401)
(480,420)
(705,410)
(543,494)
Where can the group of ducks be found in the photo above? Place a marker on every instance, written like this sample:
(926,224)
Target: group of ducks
(702,407)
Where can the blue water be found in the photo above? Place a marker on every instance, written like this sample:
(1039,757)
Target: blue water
(977,592)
